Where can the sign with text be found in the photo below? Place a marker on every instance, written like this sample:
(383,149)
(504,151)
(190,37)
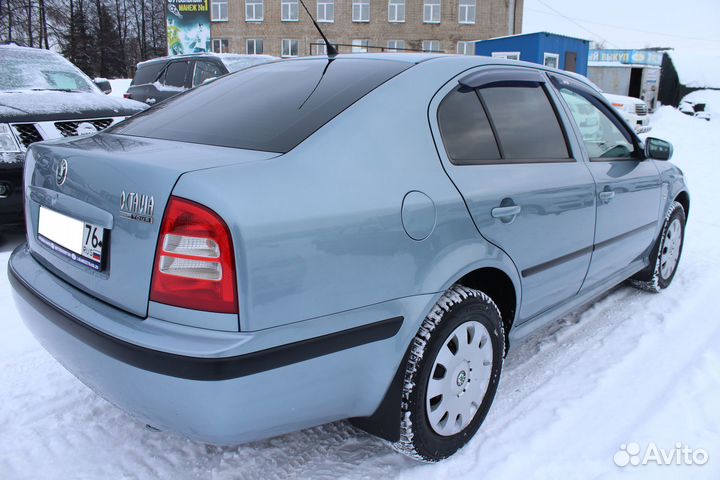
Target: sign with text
(188,26)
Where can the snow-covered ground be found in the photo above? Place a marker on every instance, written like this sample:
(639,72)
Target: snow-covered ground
(633,367)
(119,86)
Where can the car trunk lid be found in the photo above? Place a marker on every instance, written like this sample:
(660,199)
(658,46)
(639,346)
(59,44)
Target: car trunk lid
(121,184)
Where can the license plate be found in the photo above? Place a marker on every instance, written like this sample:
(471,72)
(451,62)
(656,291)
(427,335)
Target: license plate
(79,241)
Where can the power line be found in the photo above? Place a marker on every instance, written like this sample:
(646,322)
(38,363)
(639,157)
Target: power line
(576,23)
(628,29)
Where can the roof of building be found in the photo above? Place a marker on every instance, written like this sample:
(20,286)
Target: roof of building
(534,33)
(697,68)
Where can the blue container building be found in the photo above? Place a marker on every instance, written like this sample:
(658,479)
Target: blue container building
(559,51)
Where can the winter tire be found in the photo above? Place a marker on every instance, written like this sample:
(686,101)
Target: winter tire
(665,255)
(451,375)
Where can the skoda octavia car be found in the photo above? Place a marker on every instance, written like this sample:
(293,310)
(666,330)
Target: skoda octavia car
(362,239)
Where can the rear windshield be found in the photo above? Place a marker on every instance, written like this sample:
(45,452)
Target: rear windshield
(147,73)
(271,107)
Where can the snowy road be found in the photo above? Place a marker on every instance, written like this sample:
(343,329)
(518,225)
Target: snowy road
(633,367)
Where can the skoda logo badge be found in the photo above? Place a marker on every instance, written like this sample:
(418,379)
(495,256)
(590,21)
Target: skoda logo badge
(62,171)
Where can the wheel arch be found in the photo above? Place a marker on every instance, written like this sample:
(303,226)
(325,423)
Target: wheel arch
(497,279)
(683,198)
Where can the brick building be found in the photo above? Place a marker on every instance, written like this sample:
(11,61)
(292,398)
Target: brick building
(283,28)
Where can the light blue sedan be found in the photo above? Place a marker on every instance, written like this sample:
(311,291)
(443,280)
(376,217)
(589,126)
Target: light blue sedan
(359,236)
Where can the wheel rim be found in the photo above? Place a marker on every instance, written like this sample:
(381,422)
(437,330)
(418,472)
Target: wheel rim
(459,378)
(671,249)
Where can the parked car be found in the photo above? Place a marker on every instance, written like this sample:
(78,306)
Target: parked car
(161,78)
(43,96)
(361,242)
(633,110)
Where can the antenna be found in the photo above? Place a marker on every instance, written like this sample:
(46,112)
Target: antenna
(331,50)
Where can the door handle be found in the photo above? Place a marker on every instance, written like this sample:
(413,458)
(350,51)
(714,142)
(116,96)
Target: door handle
(506,213)
(150,101)
(606,196)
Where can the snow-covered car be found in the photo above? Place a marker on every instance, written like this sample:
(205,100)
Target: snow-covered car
(702,104)
(162,78)
(363,242)
(43,96)
(633,110)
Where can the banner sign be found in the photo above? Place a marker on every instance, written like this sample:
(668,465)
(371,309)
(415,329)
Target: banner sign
(188,26)
(629,57)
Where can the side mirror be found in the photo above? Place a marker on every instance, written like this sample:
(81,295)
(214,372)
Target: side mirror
(104,85)
(658,149)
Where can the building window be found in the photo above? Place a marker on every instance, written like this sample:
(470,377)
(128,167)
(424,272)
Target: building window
(431,11)
(254,10)
(466,48)
(394,45)
(550,60)
(219,11)
(289,47)
(361,10)
(431,45)
(220,45)
(359,46)
(325,10)
(254,46)
(320,48)
(396,11)
(466,12)
(290,10)
(506,55)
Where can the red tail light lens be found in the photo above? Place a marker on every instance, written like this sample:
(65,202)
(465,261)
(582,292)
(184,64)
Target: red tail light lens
(127,95)
(194,262)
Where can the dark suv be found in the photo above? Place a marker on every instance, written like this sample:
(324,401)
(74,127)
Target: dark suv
(43,96)
(161,78)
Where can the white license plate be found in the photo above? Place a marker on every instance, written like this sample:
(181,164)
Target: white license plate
(79,241)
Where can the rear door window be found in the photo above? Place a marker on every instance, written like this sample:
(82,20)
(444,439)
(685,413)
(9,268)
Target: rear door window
(525,122)
(271,107)
(175,74)
(465,129)
(147,73)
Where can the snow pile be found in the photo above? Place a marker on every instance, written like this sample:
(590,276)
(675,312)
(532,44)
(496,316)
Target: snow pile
(633,367)
(697,68)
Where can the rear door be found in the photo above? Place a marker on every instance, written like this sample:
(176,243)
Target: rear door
(174,79)
(628,186)
(525,185)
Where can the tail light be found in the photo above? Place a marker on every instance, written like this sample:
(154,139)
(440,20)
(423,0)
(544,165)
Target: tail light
(194,262)
(127,95)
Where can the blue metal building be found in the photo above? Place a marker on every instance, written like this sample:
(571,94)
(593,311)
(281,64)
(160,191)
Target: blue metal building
(567,53)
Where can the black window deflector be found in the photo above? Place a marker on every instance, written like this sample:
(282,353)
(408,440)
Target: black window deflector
(498,77)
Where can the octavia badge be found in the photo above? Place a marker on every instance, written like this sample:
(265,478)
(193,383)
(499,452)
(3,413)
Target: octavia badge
(61,172)
(137,207)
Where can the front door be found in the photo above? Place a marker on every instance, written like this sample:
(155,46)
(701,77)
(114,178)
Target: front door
(628,186)
(505,150)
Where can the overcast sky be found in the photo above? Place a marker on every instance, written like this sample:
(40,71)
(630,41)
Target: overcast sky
(629,23)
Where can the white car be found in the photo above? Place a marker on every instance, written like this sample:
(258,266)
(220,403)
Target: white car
(633,110)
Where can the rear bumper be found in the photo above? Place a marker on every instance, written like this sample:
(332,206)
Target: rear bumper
(220,399)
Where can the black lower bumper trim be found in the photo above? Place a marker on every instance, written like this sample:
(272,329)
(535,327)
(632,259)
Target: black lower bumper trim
(198,368)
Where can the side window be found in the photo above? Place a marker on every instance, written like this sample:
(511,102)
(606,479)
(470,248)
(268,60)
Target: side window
(525,123)
(175,74)
(147,73)
(602,137)
(465,129)
(205,71)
